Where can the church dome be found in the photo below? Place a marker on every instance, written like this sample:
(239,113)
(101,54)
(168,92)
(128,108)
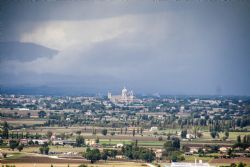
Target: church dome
(124,91)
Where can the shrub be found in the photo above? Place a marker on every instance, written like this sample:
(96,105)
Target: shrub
(160,138)
(4,155)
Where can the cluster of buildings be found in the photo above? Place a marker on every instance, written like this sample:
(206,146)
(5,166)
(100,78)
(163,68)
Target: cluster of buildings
(118,108)
(125,97)
(185,164)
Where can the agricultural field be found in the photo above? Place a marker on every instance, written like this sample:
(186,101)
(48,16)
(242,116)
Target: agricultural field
(232,135)
(30,159)
(63,149)
(20,122)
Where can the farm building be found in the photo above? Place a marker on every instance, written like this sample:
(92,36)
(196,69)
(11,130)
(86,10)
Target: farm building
(158,153)
(183,164)
(153,129)
(90,142)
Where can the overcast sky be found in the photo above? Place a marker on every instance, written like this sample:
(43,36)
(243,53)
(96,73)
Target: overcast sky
(170,47)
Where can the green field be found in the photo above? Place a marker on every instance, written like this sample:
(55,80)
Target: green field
(140,143)
(232,135)
(192,158)
(114,142)
(55,149)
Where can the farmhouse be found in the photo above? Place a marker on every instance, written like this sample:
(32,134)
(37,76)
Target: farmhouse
(90,142)
(158,153)
(24,141)
(224,149)
(153,129)
(69,142)
(40,141)
(57,142)
(190,136)
(194,149)
(120,157)
(119,145)
(181,164)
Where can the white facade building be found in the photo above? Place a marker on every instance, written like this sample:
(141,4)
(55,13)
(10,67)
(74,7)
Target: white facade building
(184,164)
(153,129)
(125,97)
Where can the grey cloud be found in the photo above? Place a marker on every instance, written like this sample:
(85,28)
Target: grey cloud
(24,51)
(185,48)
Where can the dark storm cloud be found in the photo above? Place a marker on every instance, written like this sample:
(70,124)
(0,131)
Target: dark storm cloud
(23,51)
(183,47)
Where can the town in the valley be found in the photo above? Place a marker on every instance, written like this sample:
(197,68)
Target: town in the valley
(124,129)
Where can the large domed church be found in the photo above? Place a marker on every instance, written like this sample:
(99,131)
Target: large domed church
(125,97)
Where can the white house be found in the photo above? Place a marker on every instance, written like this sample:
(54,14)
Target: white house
(190,136)
(184,164)
(57,142)
(40,141)
(119,145)
(152,129)
(224,149)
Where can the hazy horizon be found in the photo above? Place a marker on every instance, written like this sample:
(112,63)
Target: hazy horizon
(165,47)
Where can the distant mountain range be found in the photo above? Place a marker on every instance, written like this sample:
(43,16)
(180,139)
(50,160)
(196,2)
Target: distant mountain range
(45,90)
